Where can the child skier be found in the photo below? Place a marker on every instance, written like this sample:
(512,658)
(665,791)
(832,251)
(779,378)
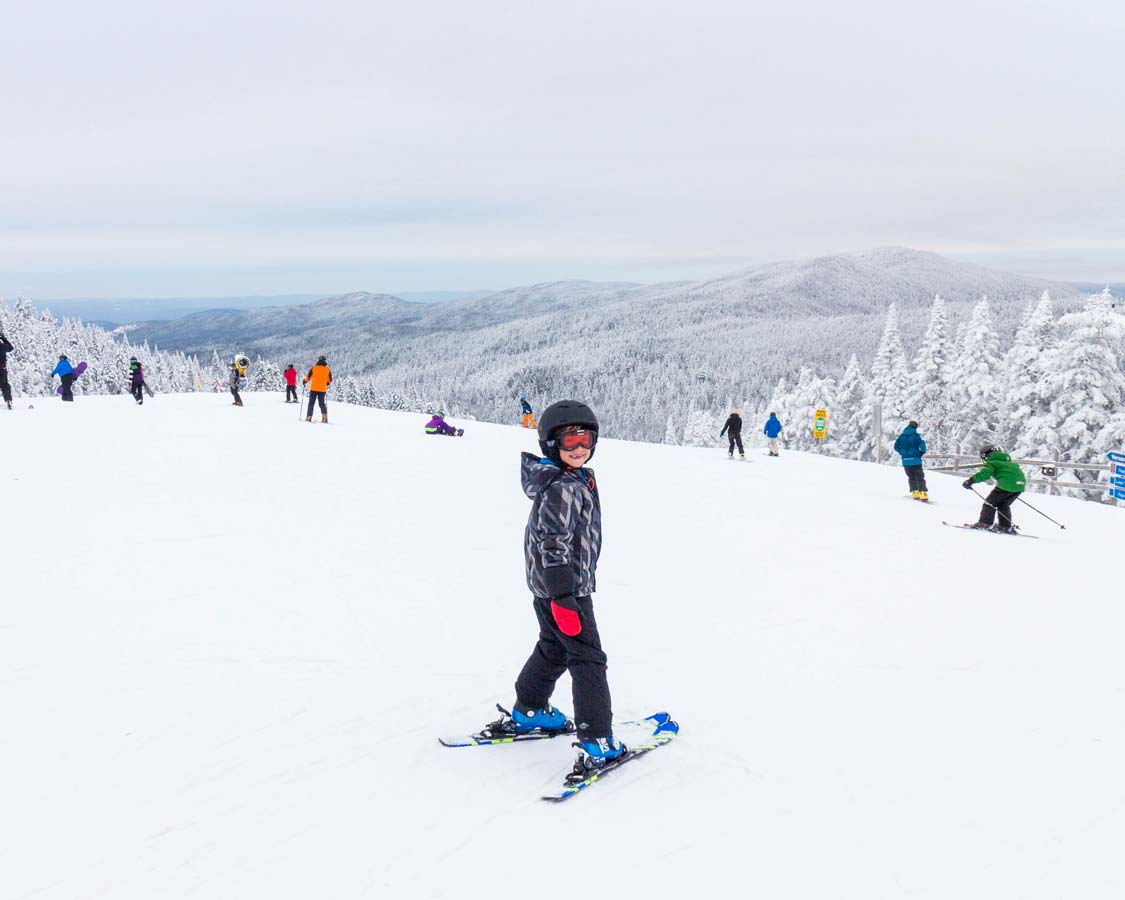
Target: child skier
(1010,483)
(561,546)
(528,415)
(5,388)
(733,428)
(318,379)
(65,371)
(438,425)
(772,430)
(911,447)
(136,380)
(290,374)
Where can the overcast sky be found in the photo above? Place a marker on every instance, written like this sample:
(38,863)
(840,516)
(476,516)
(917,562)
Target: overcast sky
(278,147)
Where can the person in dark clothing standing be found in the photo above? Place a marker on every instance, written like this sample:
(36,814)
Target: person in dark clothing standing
(733,429)
(136,381)
(5,348)
(911,447)
(291,384)
(1010,483)
(65,371)
(562,542)
(239,364)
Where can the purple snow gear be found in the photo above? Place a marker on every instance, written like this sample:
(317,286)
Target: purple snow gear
(438,425)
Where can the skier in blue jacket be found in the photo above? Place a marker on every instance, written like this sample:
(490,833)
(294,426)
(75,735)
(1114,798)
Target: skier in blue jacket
(911,447)
(65,371)
(772,430)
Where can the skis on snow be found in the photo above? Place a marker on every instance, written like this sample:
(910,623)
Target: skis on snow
(969,527)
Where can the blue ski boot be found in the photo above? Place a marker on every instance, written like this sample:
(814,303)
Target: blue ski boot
(548,718)
(599,751)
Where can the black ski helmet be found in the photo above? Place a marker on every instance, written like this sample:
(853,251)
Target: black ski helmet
(323,361)
(560,415)
(987,450)
(62,356)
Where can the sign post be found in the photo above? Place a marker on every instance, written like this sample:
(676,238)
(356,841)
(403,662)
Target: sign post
(1117,476)
(820,427)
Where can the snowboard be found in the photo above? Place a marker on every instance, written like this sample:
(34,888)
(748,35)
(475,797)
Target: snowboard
(1020,534)
(78,370)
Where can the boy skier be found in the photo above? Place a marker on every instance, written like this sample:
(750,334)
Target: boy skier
(5,388)
(136,381)
(318,379)
(291,384)
(733,428)
(1010,483)
(561,546)
(772,430)
(528,415)
(438,425)
(65,371)
(911,447)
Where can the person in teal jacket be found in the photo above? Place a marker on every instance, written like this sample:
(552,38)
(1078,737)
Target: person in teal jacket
(911,447)
(65,371)
(1010,483)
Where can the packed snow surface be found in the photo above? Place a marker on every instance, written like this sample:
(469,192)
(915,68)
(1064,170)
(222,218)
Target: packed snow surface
(229,641)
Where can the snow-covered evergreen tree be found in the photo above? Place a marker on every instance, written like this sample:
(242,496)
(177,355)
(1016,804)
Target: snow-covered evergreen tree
(1027,425)
(890,378)
(975,395)
(928,399)
(850,427)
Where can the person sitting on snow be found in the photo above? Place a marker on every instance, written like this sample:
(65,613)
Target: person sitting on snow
(438,425)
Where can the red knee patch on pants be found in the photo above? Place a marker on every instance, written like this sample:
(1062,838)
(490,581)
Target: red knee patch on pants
(567,619)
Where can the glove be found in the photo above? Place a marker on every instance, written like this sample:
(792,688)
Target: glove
(565,613)
(967,484)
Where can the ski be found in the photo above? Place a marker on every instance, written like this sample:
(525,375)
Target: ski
(966,527)
(635,751)
(490,735)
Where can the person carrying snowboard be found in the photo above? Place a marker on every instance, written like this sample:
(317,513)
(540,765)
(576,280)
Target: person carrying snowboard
(5,388)
(235,382)
(772,430)
(290,375)
(733,428)
(562,542)
(136,381)
(318,379)
(65,371)
(528,415)
(911,447)
(1010,483)
(438,425)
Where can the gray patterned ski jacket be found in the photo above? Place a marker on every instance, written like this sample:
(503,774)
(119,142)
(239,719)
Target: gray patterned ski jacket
(564,531)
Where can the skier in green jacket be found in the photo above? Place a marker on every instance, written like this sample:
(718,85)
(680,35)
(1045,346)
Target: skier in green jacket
(1010,483)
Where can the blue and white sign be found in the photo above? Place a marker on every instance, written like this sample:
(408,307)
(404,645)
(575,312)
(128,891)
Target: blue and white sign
(1117,475)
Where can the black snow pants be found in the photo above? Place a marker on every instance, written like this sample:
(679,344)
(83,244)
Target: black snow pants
(4,386)
(236,395)
(67,382)
(735,437)
(314,396)
(138,391)
(291,393)
(582,656)
(917,478)
(999,501)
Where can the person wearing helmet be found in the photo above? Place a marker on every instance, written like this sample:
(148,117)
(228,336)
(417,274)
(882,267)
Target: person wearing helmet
(318,379)
(772,430)
(5,388)
(528,415)
(65,371)
(562,542)
(733,428)
(438,425)
(238,366)
(290,375)
(136,380)
(911,447)
(1010,483)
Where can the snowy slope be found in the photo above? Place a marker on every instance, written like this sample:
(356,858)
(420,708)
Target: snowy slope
(228,641)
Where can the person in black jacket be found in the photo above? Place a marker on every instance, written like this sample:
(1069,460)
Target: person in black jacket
(5,348)
(733,430)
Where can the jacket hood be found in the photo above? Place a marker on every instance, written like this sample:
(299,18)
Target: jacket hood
(999,457)
(910,429)
(535,474)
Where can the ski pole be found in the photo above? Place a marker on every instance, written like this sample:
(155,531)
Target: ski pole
(301,402)
(1043,514)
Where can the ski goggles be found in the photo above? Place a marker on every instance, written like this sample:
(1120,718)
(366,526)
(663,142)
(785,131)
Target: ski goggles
(575,439)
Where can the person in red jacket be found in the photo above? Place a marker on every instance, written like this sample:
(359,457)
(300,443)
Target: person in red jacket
(291,384)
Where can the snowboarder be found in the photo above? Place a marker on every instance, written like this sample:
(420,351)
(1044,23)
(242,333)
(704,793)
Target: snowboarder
(318,379)
(772,430)
(561,546)
(438,425)
(1010,483)
(236,374)
(528,415)
(733,428)
(136,380)
(911,447)
(65,371)
(290,375)
(5,348)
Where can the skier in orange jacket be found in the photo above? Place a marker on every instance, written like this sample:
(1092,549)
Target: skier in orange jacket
(318,379)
